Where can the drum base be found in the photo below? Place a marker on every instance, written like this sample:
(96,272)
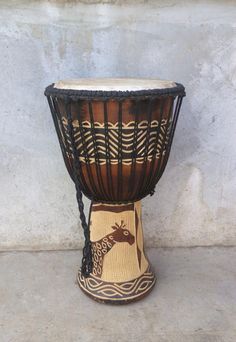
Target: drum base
(117,293)
(121,271)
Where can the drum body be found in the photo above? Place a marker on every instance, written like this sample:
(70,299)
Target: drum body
(115,145)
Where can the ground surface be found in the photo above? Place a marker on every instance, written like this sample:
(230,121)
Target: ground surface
(194,300)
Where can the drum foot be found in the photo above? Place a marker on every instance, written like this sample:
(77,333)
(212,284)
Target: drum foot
(121,271)
(117,292)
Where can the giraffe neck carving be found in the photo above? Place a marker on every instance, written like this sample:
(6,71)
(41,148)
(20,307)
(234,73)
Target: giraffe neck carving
(101,247)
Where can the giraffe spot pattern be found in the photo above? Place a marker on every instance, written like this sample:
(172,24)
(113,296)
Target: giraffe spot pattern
(98,245)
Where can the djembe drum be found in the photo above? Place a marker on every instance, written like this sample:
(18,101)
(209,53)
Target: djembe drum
(115,136)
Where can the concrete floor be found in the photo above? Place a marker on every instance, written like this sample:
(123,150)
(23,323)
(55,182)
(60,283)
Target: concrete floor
(193,301)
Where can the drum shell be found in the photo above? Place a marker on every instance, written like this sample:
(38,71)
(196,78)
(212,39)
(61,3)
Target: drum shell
(122,146)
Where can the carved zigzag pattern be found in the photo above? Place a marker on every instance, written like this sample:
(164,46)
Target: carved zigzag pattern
(92,143)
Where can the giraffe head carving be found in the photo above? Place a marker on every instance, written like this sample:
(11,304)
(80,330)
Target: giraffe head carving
(121,234)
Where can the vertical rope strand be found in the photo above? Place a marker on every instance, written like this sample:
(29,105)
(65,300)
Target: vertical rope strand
(108,153)
(143,185)
(119,178)
(131,188)
(153,166)
(172,125)
(64,148)
(101,188)
(85,153)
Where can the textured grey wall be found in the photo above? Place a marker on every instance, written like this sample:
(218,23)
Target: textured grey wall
(193,42)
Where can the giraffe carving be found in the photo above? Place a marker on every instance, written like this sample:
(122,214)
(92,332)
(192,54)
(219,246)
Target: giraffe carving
(101,247)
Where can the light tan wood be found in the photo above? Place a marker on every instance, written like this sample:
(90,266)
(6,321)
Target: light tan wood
(123,257)
(121,271)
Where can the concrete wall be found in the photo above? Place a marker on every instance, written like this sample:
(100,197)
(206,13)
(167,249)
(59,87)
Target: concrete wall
(193,42)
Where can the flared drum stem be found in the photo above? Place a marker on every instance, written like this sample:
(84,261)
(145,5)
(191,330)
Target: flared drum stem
(121,271)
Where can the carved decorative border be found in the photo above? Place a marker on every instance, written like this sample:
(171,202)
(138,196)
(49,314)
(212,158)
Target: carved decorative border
(90,152)
(124,291)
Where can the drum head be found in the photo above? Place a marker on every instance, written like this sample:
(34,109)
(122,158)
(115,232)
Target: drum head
(107,88)
(114,84)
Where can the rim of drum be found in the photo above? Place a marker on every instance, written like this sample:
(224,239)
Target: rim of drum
(73,94)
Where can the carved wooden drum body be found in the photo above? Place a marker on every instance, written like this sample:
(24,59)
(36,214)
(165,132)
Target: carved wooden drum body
(115,136)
